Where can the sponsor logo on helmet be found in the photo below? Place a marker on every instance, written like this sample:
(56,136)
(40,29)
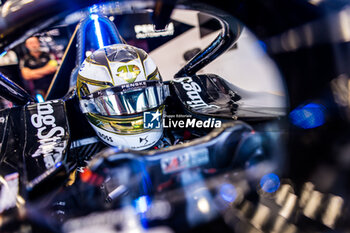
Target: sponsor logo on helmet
(128,72)
(133,85)
(145,140)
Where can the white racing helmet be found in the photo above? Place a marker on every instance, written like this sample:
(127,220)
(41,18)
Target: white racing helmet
(115,86)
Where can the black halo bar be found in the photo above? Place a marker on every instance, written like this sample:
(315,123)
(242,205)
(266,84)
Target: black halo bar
(231,29)
(14,93)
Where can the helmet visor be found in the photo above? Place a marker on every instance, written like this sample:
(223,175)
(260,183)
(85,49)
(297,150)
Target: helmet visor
(126,99)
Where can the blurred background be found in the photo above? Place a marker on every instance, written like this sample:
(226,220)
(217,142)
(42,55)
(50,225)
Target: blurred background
(246,64)
(297,50)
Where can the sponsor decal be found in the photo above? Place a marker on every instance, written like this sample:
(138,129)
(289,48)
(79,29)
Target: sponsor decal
(193,91)
(49,135)
(148,31)
(133,85)
(186,160)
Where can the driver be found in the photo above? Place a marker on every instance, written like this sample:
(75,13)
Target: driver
(115,86)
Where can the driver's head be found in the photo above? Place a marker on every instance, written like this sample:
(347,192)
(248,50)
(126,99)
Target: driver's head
(116,85)
(33,44)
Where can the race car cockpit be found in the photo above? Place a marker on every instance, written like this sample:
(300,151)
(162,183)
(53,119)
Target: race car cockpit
(118,145)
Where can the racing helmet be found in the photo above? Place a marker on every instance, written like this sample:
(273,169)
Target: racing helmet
(116,85)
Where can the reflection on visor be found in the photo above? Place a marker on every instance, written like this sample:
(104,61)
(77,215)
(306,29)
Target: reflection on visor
(127,125)
(112,102)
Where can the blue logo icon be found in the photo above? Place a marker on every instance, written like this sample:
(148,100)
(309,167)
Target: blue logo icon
(151,120)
